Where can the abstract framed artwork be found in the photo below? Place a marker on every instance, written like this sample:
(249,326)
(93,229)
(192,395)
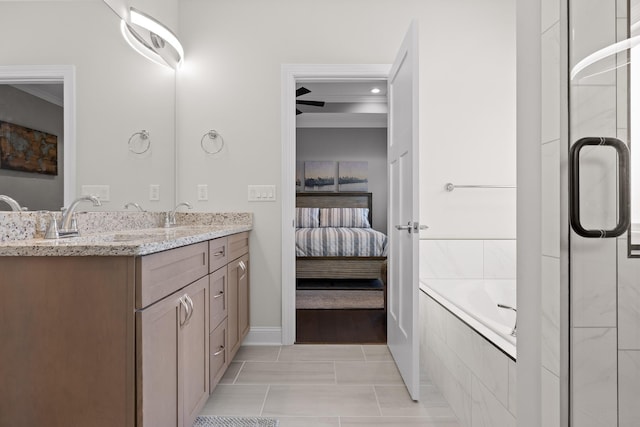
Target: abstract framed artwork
(353,176)
(28,150)
(320,176)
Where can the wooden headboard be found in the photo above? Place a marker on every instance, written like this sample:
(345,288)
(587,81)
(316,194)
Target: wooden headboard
(335,200)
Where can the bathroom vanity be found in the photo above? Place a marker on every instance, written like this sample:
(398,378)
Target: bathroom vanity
(128,328)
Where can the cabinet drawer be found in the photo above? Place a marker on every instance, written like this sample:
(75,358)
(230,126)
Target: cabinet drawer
(218,355)
(238,245)
(160,274)
(217,253)
(218,281)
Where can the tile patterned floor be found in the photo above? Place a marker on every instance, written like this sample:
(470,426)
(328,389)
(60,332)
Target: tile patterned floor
(325,386)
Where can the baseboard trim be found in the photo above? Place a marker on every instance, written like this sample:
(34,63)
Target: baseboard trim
(264,335)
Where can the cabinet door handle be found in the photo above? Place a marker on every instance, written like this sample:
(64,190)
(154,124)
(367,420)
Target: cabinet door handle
(219,295)
(186,308)
(243,266)
(219,351)
(219,253)
(190,301)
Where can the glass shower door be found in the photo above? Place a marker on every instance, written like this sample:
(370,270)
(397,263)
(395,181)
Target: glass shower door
(604,210)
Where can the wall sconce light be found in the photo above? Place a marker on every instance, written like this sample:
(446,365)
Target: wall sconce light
(152,39)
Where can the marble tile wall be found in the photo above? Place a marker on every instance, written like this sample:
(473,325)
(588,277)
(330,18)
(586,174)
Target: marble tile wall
(468,259)
(477,380)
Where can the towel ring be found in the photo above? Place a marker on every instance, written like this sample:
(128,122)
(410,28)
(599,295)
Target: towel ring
(211,145)
(140,145)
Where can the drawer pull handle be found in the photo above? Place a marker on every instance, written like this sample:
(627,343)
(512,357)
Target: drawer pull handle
(219,295)
(186,308)
(219,253)
(219,351)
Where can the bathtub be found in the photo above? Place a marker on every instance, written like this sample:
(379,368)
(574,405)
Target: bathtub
(475,302)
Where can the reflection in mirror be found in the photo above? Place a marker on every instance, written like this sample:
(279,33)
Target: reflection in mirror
(37,141)
(117,93)
(152,39)
(32,133)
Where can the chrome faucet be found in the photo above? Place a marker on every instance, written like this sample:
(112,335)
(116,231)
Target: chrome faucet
(515,325)
(69,228)
(15,206)
(135,205)
(170,217)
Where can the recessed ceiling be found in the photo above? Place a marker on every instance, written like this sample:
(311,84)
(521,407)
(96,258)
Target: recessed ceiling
(347,104)
(50,92)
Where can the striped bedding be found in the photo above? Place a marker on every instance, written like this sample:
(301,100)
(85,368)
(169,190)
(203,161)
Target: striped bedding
(342,241)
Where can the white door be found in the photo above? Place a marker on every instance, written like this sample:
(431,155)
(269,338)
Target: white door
(402,317)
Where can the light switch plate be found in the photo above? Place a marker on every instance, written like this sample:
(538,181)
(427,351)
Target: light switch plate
(102,192)
(154,192)
(262,193)
(203,192)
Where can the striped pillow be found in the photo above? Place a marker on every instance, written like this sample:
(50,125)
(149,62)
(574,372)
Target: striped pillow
(345,217)
(307,217)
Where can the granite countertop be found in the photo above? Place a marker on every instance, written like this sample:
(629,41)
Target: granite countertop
(122,243)
(134,239)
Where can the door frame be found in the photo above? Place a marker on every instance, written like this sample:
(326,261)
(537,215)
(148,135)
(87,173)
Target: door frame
(290,74)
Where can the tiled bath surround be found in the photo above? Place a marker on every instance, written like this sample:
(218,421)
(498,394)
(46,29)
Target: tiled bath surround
(468,259)
(476,378)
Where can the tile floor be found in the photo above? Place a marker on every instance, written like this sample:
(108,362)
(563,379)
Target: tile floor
(325,386)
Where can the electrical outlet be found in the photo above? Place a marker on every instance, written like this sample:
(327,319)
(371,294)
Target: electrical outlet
(154,192)
(102,192)
(203,192)
(262,193)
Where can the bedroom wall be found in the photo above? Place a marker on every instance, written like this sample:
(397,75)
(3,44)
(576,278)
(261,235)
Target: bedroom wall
(231,82)
(352,144)
(34,190)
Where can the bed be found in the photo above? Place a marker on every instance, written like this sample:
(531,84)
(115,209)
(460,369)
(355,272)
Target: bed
(355,265)
(340,270)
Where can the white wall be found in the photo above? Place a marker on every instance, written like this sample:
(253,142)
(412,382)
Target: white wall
(231,82)
(352,144)
(34,190)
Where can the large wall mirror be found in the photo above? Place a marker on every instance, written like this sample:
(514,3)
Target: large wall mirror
(117,94)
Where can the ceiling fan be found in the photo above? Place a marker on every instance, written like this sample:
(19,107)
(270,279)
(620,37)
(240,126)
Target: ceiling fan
(303,91)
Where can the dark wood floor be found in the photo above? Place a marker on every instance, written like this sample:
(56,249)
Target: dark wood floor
(356,326)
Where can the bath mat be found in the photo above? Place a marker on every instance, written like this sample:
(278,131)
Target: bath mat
(209,421)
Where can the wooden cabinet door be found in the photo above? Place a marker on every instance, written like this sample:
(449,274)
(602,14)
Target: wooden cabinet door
(157,350)
(234,272)
(173,358)
(238,311)
(243,298)
(194,367)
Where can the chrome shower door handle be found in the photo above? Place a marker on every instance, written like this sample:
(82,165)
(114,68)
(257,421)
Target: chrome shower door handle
(623,187)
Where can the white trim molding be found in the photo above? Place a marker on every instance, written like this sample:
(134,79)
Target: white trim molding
(290,74)
(65,74)
(263,335)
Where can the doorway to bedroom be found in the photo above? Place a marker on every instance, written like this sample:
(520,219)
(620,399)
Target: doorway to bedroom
(341,211)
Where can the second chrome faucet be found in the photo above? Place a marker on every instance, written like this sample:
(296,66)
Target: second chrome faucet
(170,217)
